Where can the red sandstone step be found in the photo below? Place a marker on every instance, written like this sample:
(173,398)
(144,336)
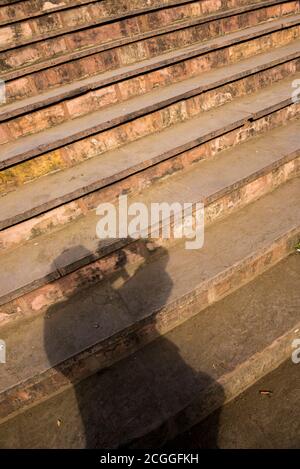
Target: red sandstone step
(136,183)
(248,172)
(107,108)
(115,318)
(213,53)
(28,61)
(55,136)
(44,194)
(57,24)
(255,328)
(111,9)
(53,26)
(206,81)
(80,323)
(182,377)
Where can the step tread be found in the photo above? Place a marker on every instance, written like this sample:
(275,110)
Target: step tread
(207,355)
(172,26)
(32,145)
(240,235)
(205,352)
(45,341)
(167,58)
(99,21)
(77,5)
(52,8)
(206,79)
(239,165)
(173,372)
(55,189)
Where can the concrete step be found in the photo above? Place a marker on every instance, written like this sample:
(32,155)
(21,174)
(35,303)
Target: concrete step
(37,82)
(105,108)
(75,93)
(82,179)
(150,15)
(249,330)
(147,40)
(183,376)
(72,15)
(113,70)
(166,102)
(265,416)
(86,21)
(24,9)
(152,112)
(111,9)
(249,171)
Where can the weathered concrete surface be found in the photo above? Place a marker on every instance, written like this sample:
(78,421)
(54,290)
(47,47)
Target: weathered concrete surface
(94,174)
(138,85)
(116,105)
(247,104)
(249,171)
(175,381)
(118,38)
(114,69)
(185,282)
(86,318)
(95,14)
(254,420)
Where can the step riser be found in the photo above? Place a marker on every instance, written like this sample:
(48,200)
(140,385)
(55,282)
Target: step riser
(216,207)
(42,22)
(131,130)
(103,355)
(232,385)
(55,24)
(70,108)
(34,30)
(133,31)
(16,10)
(42,81)
(106,9)
(28,59)
(139,178)
(94,101)
(90,107)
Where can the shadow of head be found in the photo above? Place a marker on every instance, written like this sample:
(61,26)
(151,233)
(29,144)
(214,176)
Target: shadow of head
(104,292)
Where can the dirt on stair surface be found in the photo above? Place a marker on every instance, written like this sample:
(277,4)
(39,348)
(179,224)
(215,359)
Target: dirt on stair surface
(173,382)
(130,337)
(266,416)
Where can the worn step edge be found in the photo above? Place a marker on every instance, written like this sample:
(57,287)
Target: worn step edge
(232,383)
(236,113)
(220,374)
(122,41)
(263,61)
(13,2)
(213,44)
(76,4)
(119,345)
(139,106)
(95,82)
(136,183)
(72,130)
(100,250)
(201,19)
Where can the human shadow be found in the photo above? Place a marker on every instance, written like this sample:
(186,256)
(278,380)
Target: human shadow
(124,403)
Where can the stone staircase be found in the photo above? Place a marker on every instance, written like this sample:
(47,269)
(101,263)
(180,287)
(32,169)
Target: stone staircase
(130,342)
